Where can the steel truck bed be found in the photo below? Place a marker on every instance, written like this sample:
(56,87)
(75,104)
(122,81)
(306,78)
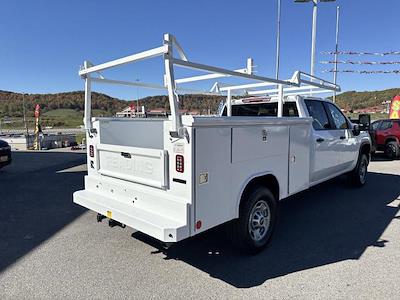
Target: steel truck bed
(144,185)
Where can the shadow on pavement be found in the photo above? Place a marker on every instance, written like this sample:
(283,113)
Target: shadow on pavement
(326,224)
(36,200)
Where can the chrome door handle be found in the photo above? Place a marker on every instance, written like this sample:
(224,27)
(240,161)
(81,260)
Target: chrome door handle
(319,140)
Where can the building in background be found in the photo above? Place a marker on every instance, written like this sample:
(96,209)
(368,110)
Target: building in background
(47,141)
(132,112)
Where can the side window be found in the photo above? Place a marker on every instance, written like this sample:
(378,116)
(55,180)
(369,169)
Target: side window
(317,111)
(290,109)
(338,118)
(385,125)
(375,125)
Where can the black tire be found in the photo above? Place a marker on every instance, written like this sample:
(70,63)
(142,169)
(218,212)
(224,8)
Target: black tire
(358,177)
(243,232)
(392,150)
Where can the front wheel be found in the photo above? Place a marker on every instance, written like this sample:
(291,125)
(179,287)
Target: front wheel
(257,219)
(358,177)
(392,150)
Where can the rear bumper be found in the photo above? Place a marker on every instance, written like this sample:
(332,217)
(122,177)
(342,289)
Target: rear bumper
(152,224)
(3,164)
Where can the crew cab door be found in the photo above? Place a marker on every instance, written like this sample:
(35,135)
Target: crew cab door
(343,134)
(325,145)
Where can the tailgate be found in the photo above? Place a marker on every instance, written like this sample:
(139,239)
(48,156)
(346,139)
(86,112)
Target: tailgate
(140,165)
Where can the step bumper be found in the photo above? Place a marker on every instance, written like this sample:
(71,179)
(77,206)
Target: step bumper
(152,224)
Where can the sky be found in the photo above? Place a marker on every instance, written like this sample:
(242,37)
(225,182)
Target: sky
(43,43)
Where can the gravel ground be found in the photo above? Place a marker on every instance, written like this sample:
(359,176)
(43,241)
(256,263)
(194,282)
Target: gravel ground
(332,242)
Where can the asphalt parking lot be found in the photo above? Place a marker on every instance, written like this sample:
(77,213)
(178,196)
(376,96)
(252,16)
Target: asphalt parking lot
(332,242)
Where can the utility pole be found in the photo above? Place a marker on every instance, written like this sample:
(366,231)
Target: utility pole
(335,73)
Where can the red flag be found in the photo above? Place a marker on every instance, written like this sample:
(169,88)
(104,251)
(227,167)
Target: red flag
(37,111)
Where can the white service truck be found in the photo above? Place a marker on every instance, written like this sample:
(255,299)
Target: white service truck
(174,178)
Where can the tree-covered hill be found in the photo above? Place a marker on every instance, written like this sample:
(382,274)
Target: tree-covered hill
(353,100)
(11,104)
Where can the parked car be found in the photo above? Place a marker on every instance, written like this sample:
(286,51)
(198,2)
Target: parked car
(5,154)
(385,136)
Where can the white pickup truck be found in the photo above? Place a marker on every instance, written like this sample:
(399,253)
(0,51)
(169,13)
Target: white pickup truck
(174,178)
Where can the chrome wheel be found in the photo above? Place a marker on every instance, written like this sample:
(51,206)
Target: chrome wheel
(362,172)
(259,221)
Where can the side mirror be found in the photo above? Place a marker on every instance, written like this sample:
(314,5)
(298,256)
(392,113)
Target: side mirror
(364,121)
(356,130)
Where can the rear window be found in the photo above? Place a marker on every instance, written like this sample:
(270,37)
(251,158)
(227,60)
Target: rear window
(263,110)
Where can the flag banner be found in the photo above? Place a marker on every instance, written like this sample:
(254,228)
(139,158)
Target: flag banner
(394,112)
(349,62)
(362,72)
(361,53)
(37,111)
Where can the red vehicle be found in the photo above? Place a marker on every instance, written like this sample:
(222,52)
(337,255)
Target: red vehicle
(385,135)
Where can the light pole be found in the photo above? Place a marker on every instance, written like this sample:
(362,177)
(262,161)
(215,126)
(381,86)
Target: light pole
(278,40)
(314,29)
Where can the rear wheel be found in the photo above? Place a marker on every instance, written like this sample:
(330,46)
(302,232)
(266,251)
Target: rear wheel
(257,219)
(392,150)
(358,177)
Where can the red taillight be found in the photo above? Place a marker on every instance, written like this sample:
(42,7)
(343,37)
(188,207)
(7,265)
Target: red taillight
(179,163)
(198,224)
(91,151)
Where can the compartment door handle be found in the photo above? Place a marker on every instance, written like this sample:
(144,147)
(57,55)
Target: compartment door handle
(126,155)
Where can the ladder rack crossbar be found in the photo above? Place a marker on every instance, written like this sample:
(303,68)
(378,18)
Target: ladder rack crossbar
(297,83)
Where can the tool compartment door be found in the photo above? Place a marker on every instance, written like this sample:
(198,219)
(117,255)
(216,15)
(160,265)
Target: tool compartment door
(140,165)
(299,158)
